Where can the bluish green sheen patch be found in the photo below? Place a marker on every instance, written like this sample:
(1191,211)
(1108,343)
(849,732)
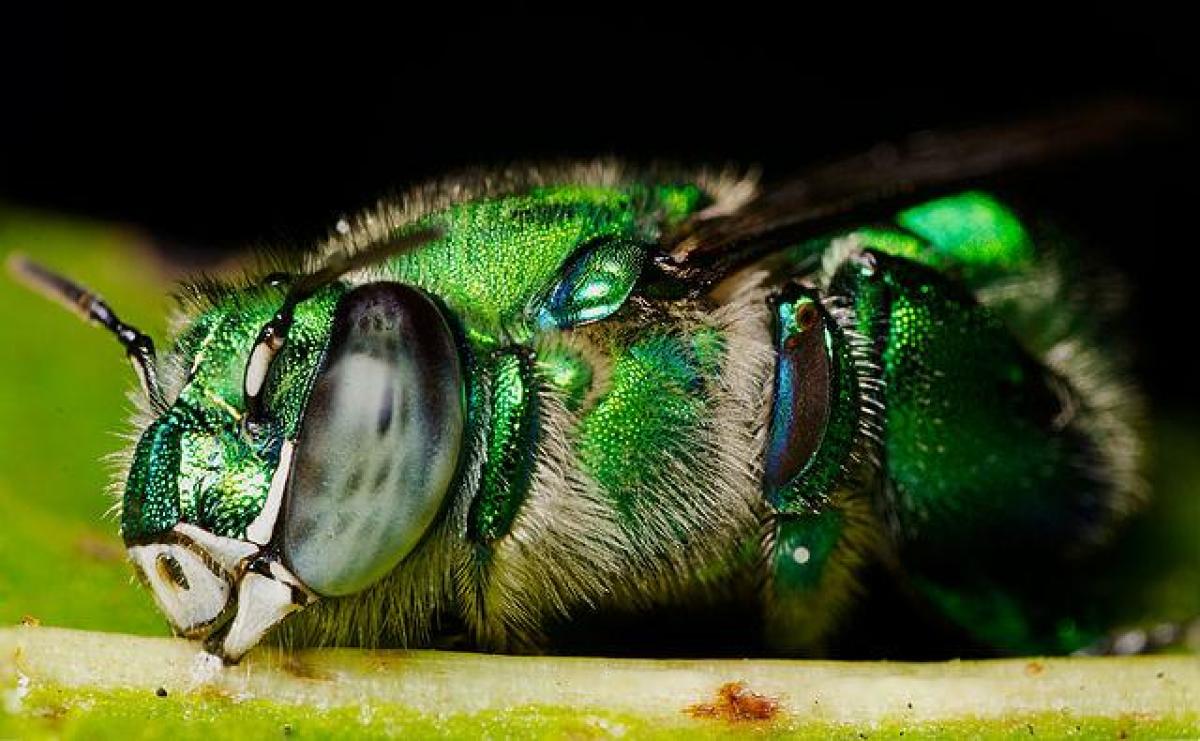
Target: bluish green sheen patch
(993,614)
(998,617)
(972,230)
(895,242)
(200,463)
(803,545)
(969,413)
(215,349)
(708,345)
(223,482)
(217,345)
(294,369)
(677,202)
(510,446)
(594,285)
(651,413)
(984,477)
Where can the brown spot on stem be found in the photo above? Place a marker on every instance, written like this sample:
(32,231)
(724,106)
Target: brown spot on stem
(30,621)
(1034,668)
(53,714)
(736,703)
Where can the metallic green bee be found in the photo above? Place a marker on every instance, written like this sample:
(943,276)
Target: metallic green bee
(509,401)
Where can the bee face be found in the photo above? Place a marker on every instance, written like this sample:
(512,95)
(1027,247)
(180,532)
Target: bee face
(321,496)
(195,502)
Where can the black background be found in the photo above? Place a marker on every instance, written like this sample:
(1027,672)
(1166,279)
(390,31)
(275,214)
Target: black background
(218,132)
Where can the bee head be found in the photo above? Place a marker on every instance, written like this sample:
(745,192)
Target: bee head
(194,512)
(207,476)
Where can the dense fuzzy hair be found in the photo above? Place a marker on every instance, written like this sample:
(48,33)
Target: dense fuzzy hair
(1062,313)
(709,493)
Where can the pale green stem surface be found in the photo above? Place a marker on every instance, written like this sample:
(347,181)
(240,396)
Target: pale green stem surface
(81,684)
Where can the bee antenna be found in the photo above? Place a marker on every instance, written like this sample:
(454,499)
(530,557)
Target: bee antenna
(273,335)
(92,309)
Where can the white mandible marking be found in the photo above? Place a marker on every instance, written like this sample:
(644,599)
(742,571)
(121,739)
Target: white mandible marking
(190,606)
(262,603)
(260,530)
(227,552)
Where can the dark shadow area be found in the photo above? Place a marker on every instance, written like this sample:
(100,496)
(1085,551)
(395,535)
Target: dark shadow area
(215,134)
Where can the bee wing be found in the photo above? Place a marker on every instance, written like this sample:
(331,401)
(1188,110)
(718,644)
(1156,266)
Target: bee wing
(888,176)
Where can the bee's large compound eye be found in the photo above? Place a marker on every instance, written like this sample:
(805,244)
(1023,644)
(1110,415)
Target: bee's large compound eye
(379,443)
(186,587)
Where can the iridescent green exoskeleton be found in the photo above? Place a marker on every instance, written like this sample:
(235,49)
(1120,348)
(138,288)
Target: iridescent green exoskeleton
(507,402)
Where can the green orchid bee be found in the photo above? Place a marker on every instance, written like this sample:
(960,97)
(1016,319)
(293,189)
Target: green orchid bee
(512,401)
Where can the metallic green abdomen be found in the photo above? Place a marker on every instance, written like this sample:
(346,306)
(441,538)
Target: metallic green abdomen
(1001,458)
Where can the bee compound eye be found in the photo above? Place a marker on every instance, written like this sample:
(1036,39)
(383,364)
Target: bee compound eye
(379,443)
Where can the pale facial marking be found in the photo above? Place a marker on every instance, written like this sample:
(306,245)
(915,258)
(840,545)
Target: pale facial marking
(264,600)
(263,527)
(227,552)
(186,589)
(256,369)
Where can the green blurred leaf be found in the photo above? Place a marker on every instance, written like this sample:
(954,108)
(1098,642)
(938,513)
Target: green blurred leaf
(63,392)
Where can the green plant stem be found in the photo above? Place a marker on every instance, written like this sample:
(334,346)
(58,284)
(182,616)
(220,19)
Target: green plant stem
(67,674)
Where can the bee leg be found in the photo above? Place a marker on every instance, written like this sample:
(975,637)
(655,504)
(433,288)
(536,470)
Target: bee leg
(511,442)
(818,466)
